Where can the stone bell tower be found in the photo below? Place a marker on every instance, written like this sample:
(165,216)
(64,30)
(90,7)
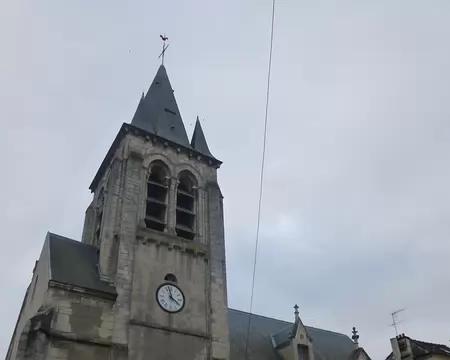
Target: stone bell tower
(157,220)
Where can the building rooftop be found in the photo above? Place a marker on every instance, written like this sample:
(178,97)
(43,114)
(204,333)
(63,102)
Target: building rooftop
(74,263)
(424,349)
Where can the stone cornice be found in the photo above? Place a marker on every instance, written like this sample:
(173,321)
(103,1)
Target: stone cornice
(195,248)
(131,129)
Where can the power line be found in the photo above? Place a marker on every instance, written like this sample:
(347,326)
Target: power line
(261,179)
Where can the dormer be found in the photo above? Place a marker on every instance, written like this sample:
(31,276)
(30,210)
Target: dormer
(294,343)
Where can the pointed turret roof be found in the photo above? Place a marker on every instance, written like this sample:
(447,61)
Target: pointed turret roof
(158,112)
(198,141)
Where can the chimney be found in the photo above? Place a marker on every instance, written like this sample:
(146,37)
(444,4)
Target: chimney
(297,317)
(401,347)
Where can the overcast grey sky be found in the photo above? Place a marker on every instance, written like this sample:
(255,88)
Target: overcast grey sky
(356,205)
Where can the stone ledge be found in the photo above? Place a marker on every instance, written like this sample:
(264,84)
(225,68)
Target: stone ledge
(68,336)
(194,248)
(171,329)
(83,291)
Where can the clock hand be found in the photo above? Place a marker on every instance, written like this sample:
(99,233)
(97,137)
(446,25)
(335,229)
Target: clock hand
(174,300)
(171,296)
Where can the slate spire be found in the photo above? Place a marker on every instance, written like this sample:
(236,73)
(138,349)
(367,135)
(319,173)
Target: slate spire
(198,141)
(158,112)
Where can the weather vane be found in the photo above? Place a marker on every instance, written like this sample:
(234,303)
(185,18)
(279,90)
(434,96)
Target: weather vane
(164,38)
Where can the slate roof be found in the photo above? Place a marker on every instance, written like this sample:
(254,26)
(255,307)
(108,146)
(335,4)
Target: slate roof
(357,354)
(75,263)
(198,141)
(328,345)
(158,113)
(283,337)
(430,348)
(422,348)
(425,348)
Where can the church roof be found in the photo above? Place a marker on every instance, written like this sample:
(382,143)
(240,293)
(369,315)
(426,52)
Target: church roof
(328,345)
(158,113)
(75,263)
(198,141)
(358,354)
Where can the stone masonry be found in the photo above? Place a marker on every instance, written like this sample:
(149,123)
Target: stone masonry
(104,306)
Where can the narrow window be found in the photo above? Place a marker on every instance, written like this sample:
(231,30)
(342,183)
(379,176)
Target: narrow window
(303,352)
(185,225)
(99,217)
(155,213)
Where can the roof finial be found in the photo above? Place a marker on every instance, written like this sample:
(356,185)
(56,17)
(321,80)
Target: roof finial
(355,336)
(164,38)
(296,312)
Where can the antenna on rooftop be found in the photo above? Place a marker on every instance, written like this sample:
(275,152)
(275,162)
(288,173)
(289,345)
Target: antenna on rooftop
(395,320)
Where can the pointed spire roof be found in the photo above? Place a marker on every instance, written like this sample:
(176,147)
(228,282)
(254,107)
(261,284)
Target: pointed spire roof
(158,112)
(198,141)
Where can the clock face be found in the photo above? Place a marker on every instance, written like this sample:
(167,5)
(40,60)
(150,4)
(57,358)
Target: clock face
(170,298)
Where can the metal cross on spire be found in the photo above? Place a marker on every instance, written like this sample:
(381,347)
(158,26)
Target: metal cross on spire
(164,38)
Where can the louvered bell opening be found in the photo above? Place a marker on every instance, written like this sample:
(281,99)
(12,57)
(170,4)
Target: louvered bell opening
(185,223)
(155,212)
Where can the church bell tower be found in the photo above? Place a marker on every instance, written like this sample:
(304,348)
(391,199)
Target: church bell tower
(157,221)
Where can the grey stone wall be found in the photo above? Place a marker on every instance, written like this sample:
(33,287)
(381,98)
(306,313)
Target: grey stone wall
(218,282)
(34,297)
(70,325)
(113,193)
(137,258)
(152,262)
(153,344)
(88,227)
(132,166)
(68,350)
(81,316)
(73,323)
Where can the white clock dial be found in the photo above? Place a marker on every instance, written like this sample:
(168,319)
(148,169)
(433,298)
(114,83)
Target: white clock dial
(170,298)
